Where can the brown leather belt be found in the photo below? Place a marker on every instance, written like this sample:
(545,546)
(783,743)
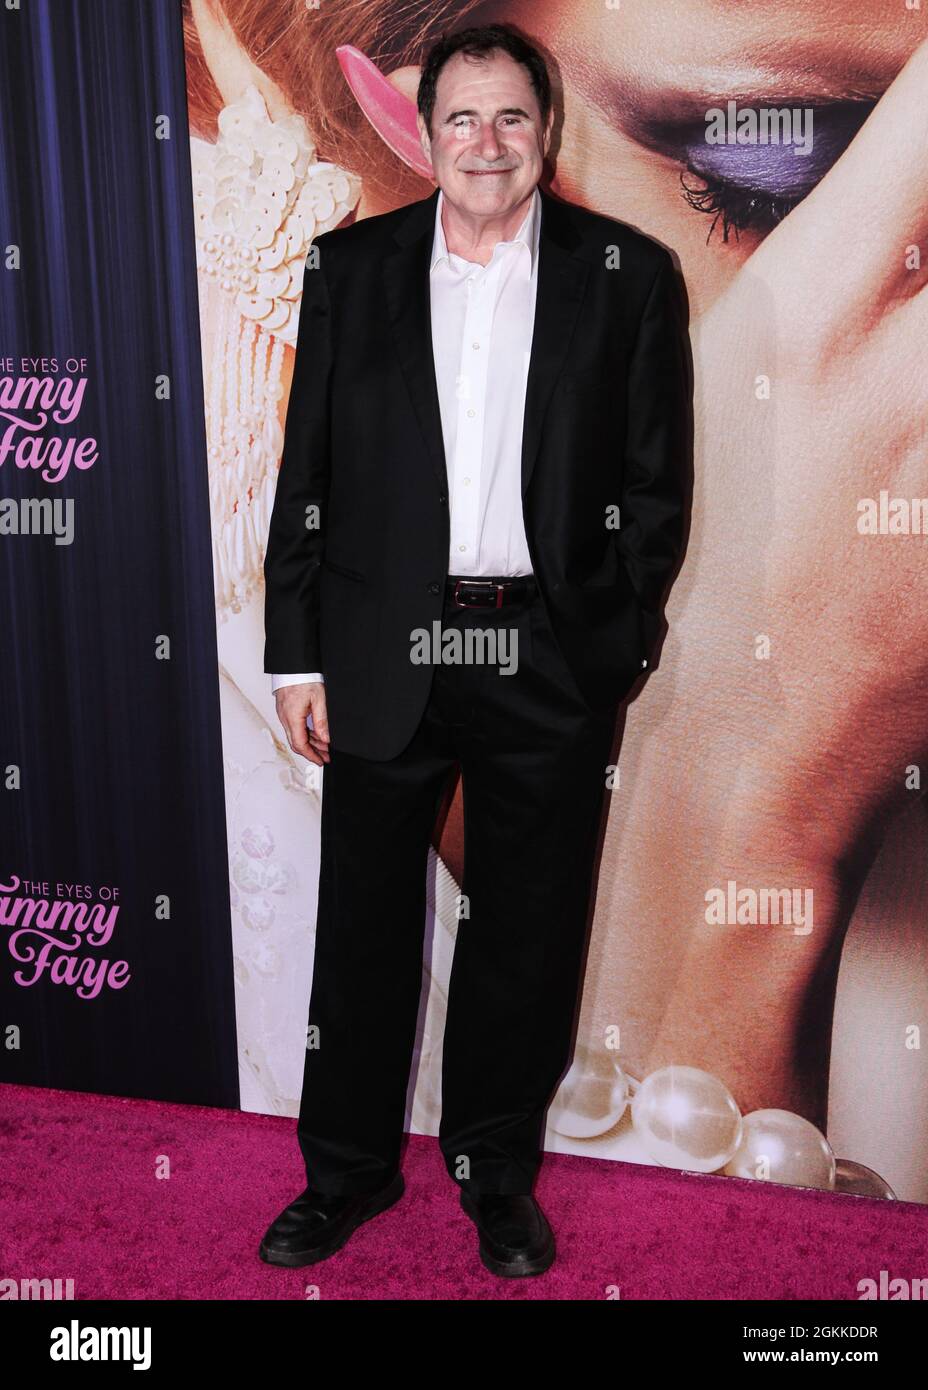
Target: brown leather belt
(473,592)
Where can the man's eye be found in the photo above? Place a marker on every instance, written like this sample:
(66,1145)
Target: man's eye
(463,121)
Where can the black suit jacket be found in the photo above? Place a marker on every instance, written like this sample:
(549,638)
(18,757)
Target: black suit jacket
(605,426)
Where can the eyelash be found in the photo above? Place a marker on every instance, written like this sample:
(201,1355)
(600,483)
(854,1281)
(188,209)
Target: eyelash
(739,209)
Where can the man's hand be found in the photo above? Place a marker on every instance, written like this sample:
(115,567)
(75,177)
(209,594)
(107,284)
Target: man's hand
(294,703)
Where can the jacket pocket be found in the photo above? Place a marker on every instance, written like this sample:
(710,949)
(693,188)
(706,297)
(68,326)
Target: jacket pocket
(343,570)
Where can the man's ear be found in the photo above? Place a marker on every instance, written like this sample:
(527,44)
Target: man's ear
(549,128)
(424,136)
(230,65)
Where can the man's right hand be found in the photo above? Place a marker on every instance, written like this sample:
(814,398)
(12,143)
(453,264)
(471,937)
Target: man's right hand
(294,703)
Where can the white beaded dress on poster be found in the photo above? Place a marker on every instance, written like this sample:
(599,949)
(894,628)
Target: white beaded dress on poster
(260,198)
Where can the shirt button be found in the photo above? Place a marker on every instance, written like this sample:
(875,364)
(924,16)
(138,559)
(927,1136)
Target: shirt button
(476,347)
(466,482)
(471,413)
(462,547)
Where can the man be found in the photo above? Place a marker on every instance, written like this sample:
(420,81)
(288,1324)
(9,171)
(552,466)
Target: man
(485,431)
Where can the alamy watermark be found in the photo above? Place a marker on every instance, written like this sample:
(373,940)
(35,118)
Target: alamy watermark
(472,646)
(763,125)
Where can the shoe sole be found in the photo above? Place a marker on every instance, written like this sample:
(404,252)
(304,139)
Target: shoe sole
(510,1269)
(379,1201)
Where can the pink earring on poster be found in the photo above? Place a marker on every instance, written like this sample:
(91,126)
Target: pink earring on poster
(392,115)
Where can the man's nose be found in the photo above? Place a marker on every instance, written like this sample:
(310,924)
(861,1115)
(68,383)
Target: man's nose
(490,145)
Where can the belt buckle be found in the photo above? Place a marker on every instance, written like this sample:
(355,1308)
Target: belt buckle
(487,583)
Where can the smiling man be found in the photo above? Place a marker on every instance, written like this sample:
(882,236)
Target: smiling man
(483,383)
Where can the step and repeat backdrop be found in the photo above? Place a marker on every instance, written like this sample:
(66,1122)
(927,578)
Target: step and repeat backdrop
(117,974)
(757,979)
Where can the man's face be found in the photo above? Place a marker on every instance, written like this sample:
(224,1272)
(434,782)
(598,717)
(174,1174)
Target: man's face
(488,142)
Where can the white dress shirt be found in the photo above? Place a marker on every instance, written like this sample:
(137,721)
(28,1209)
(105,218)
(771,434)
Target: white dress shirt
(482,323)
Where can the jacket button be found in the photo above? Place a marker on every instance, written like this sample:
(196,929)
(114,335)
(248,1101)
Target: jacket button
(644,661)
(434,587)
(442,498)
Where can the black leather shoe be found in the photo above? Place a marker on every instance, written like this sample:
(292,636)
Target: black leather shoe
(515,1238)
(317,1224)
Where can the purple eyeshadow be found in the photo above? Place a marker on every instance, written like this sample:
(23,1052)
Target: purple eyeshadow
(777,169)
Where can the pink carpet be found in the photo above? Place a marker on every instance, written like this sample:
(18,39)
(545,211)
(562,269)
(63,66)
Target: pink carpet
(81,1199)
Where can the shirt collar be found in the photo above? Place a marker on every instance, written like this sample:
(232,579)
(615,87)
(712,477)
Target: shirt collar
(527,234)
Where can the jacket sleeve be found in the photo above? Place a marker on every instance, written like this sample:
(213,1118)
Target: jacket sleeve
(653,496)
(297,525)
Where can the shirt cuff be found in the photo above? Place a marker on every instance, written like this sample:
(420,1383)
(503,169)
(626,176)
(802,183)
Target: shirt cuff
(297,679)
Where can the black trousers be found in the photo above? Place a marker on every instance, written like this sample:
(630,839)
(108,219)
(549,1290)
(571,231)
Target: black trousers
(533,762)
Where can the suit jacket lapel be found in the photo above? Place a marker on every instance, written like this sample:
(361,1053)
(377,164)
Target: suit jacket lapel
(562,278)
(561,282)
(406,282)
